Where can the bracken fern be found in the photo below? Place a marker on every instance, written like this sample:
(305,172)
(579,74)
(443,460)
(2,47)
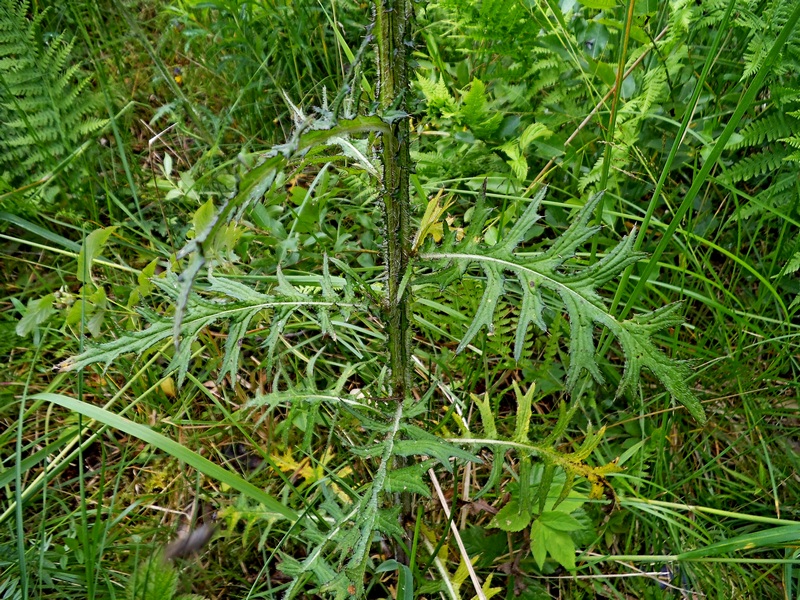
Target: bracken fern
(46,107)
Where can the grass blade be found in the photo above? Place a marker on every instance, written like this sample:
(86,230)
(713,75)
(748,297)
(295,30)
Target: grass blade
(172,448)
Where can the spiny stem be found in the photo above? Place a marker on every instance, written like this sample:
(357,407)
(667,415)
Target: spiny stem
(392,32)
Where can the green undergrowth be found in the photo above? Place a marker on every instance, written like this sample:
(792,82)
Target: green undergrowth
(275,331)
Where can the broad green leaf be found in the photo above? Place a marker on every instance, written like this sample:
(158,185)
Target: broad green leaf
(167,166)
(560,546)
(91,249)
(546,539)
(511,517)
(203,219)
(560,521)
(172,448)
(405,580)
(37,313)
(538,543)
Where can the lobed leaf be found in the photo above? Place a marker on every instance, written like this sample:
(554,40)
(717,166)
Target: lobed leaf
(574,284)
(238,305)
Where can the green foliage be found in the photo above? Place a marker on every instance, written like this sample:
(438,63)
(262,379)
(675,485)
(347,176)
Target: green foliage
(257,276)
(10,589)
(472,111)
(156,579)
(550,534)
(575,287)
(224,299)
(766,156)
(47,108)
(340,556)
(255,52)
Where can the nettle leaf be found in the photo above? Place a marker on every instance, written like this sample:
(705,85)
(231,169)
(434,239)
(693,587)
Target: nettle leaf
(575,285)
(231,301)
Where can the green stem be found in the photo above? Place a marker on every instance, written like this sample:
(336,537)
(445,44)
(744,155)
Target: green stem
(612,124)
(393,32)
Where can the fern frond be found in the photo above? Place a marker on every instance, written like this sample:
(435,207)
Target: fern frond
(576,288)
(756,165)
(474,111)
(767,128)
(778,196)
(436,95)
(46,110)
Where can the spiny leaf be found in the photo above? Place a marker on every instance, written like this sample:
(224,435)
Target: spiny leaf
(564,417)
(524,412)
(548,474)
(487,416)
(590,442)
(388,522)
(440,449)
(569,482)
(409,480)
(575,285)
(201,313)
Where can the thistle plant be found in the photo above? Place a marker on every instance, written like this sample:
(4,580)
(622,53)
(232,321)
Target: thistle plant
(380,409)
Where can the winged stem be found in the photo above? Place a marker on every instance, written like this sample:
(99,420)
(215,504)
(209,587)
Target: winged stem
(392,31)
